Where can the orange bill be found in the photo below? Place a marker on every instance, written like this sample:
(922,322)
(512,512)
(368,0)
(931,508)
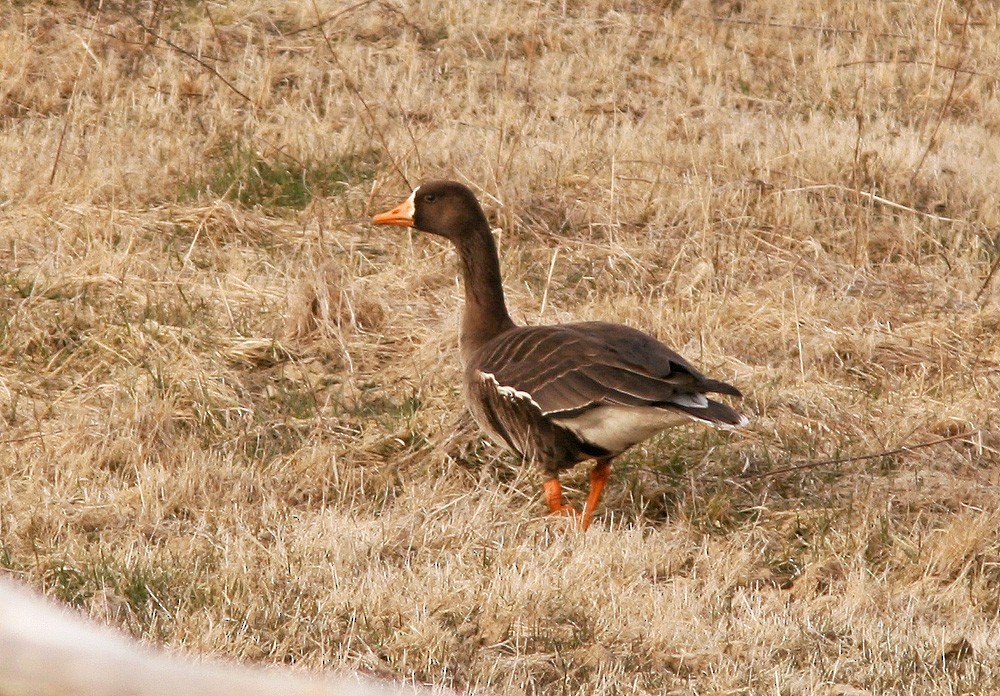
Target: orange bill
(401,215)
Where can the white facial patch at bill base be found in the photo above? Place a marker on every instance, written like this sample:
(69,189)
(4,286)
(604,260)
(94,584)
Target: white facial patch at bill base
(408,207)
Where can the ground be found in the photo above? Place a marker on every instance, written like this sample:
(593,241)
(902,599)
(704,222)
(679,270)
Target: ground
(231,411)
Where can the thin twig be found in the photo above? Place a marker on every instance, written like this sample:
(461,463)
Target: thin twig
(820,28)
(127,42)
(783,25)
(409,131)
(322,22)
(62,137)
(357,93)
(871,196)
(32,436)
(952,68)
(860,457)
(188,54)
(820,462)
(989,277)
(947,101)
(215,30)
(200,61)
(69,107)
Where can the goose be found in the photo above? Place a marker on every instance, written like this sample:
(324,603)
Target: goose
(560,394)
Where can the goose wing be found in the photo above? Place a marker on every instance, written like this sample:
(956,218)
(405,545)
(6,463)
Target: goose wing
(568,369)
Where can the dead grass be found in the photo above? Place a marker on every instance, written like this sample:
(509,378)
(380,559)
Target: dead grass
(231,413)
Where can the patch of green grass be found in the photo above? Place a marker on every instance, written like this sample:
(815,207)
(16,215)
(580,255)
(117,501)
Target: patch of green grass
(264,444)
(20,286)
(144,589)
(141,585)
(275,181)
(372,402)
(296,402)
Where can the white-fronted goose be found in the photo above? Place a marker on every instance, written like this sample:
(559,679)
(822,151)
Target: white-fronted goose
(556,395)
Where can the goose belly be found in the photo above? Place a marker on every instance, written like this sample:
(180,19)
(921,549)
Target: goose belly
(616,428)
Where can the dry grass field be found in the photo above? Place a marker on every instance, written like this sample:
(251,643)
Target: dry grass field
(230,407)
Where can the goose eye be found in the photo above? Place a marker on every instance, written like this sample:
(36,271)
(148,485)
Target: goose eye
(430,197)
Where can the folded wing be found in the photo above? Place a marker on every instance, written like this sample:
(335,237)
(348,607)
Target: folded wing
(610,384)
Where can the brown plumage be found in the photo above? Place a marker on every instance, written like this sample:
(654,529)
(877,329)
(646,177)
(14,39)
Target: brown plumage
(556,395)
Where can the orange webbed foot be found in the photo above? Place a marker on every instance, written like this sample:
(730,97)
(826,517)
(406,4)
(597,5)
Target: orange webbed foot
(554,498)
(564,511)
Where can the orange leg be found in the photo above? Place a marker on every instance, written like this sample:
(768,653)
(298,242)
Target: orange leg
(553,496)
(598,477)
